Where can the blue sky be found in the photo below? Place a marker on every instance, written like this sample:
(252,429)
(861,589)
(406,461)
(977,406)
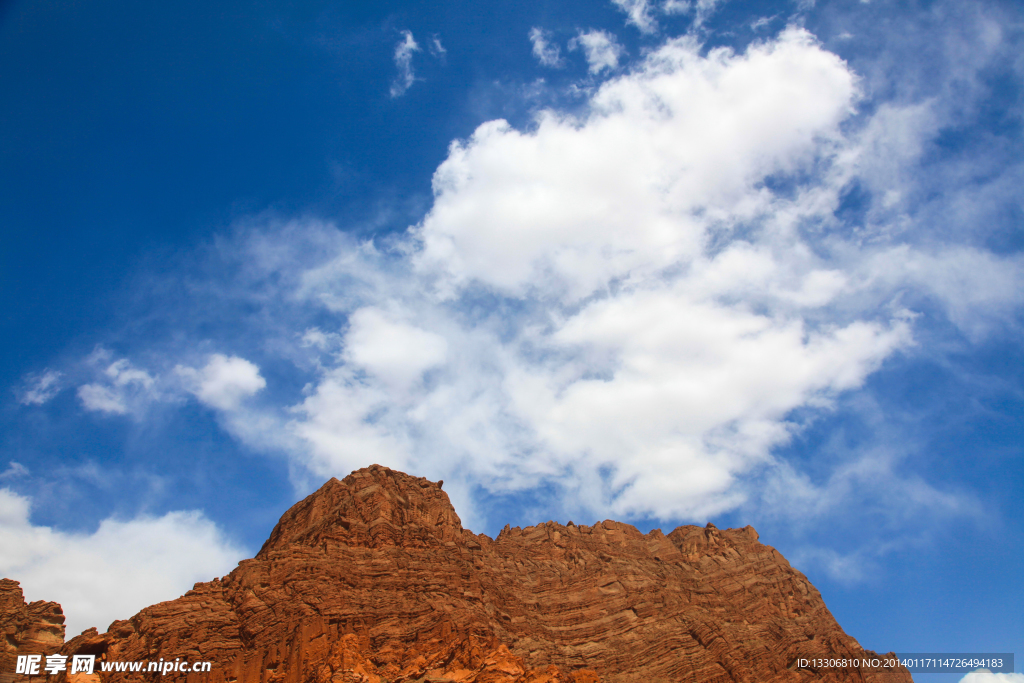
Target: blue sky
(664,262)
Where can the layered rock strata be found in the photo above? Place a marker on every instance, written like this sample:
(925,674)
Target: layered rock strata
(372,579)
(28,629)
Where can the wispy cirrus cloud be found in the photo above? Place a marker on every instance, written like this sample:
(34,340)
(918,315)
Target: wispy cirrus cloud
(14,470)
(40,388)
(436,48)
(404,51)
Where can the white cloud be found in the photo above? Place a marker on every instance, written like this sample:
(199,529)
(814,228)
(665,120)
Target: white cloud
(661,313)
(676,7)
(985,676)
(121,387)
(359,408)
(639,13)
(393,351)
(403,60)
(633,187)
(223,382)
(101,399)
(600,48)
(41,388)
(84,572)
(122,374)
(347,423)
(547,53)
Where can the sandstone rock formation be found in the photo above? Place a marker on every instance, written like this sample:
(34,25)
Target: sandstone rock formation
(372,579)
(28,629)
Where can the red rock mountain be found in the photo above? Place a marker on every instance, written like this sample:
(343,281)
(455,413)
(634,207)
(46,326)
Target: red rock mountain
(372,579)
(36,628)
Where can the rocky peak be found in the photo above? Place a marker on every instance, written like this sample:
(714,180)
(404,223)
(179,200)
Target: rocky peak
(373,507)
(28,629)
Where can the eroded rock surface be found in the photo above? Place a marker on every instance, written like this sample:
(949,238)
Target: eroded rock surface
(373,579)
(28,629)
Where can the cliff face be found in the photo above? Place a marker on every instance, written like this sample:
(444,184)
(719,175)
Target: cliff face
(373,579)
(28,629)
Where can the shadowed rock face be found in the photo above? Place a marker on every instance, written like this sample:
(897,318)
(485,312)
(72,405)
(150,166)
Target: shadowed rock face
(373,579)
(27,629)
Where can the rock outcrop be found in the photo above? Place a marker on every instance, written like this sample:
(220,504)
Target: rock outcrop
(28,629)
(372,579)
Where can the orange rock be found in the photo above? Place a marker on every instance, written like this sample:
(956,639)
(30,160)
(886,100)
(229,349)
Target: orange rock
(27,629)
(372,579)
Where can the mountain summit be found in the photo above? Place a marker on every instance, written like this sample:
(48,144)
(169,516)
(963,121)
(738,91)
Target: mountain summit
(372,508)
(372,579)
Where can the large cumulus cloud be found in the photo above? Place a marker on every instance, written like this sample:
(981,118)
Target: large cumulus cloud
(627,302)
